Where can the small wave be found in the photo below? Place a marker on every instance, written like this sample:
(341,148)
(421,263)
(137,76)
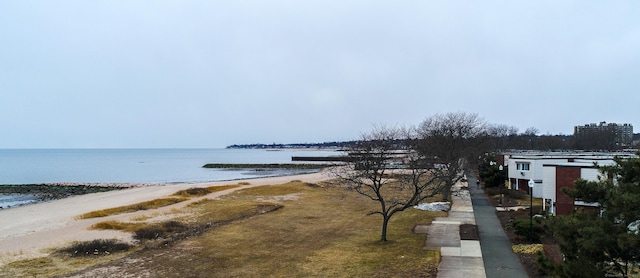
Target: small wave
(16,200)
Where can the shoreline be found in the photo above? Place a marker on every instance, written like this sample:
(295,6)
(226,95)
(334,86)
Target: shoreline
(283,169)
(34,230)
(14,194)
(46,192)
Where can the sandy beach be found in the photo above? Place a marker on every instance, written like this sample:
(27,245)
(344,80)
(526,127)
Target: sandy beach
(34,230)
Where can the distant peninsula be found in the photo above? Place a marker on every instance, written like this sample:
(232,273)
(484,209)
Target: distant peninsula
(325,145)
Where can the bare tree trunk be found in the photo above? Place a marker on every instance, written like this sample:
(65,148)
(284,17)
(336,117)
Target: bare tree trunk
(385,222)
(446,191)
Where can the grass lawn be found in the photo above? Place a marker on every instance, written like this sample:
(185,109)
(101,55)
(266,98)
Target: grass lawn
(318,231)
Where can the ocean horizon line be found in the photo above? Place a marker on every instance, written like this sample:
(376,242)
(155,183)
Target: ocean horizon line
(135,165)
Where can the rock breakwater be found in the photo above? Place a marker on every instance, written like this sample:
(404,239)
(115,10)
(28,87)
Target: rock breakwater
(53,191)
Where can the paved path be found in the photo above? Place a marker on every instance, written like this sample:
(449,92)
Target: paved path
(499,260)
(459,258)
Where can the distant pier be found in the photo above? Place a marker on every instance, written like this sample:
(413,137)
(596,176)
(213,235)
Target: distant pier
(323,158)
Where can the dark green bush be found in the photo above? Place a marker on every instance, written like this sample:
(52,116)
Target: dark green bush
(490,175)
(522,228)
(545,266)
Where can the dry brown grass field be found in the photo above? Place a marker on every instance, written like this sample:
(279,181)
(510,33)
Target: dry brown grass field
(289,230)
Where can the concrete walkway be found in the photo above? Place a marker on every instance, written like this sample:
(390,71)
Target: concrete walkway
(459,258)
(491,256)
(499,260)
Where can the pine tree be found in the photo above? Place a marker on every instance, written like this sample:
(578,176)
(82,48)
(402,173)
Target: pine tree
(604,242)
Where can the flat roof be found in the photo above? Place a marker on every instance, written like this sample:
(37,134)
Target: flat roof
(589,156)
(570,164)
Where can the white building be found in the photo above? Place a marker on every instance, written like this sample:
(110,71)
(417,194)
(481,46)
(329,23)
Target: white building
(553,171)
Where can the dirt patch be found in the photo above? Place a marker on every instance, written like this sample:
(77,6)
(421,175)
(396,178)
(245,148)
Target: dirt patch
(469,232)
(281,198)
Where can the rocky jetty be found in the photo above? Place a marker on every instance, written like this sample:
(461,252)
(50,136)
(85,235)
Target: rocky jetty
(53,191)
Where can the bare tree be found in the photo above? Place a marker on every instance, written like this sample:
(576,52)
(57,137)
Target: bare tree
(384,170)
(501,136)
(531,131)
(449,143)
(596,140)
(400,167)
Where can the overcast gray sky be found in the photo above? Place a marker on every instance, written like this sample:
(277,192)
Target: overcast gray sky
(87,74)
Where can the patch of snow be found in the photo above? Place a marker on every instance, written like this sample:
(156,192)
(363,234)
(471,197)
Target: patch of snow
(634,228)
(436,206)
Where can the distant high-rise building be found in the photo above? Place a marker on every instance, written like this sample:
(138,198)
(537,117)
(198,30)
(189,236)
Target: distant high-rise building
(618,134)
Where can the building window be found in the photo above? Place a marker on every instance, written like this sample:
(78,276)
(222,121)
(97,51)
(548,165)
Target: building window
(521,166)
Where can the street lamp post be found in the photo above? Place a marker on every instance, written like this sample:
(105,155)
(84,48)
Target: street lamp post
(531,183)
(500,185)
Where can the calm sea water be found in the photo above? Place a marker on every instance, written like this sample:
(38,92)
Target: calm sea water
(35,166)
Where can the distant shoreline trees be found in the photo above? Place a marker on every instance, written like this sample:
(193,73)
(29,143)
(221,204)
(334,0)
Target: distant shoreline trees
(500,137)
(324,145)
